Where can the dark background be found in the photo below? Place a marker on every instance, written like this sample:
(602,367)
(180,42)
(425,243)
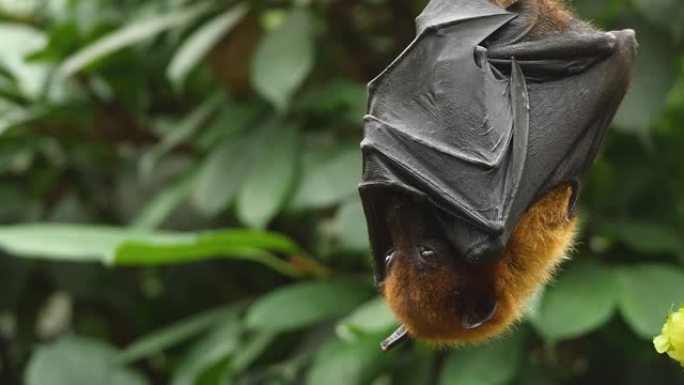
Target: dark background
(178,200)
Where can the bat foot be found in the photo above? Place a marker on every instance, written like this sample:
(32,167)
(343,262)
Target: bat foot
(400,335)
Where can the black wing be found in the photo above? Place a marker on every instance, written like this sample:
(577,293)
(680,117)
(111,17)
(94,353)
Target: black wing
(480,133)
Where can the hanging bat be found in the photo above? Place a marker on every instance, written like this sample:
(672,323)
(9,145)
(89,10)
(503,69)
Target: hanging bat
(477,141)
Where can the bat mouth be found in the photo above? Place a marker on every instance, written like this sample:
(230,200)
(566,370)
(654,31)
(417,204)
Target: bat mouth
(480,315)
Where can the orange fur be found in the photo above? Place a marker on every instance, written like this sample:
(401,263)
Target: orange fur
(546,16)
(549,17)
(504,3)
(426,301)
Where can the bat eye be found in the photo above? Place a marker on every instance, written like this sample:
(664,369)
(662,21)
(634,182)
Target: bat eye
(428,255)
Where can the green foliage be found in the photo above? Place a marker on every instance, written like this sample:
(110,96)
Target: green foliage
(284,58)
(304,304)
(373,317)
(646,292)
(197,46)
(130,248)
(131,34)
(179,181)
(271,180)
(74,360)
(340,363)
(653,78)
(320,185)
(490,364)
(172,335)
(582,300)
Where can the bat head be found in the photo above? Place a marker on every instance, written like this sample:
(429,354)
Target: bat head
(445,299)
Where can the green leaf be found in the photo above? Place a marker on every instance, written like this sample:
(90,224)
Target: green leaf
(164,204)
(20,10)
(371,318)
(330,181)
(340,98)
(350,227)
(128,247)
(75,360)
(305,304)
(233,119)
(270,183)
(219,344)
(12,115)
(651,84)
(235,244)
(223,353)
(180,132)
(17,42)
(645,237)
(73,242)
(583,299)
(284,58)
(128,35)
(346,364)
(250,350)
(418,369)
(224,171)
(647,293)
(495,363)
(198,45)
(172,335)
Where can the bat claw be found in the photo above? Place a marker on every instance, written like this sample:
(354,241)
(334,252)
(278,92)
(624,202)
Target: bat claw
(399,336)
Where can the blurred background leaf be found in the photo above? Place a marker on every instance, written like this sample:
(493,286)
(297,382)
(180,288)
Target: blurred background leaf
(284,58)
(645,292)
(74,360)
(304,304)
(580,301)
(197,46)
(475,366)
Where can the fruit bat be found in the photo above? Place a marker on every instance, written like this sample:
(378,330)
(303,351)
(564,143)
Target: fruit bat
(477,141)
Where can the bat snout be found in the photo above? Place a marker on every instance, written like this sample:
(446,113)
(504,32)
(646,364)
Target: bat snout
(478,311)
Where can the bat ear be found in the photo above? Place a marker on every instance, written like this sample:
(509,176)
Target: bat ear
(477,309)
